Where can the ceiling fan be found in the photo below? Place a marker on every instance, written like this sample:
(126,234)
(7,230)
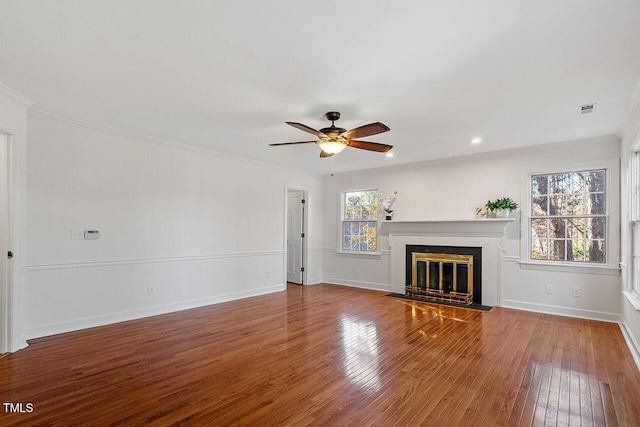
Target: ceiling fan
(333,139)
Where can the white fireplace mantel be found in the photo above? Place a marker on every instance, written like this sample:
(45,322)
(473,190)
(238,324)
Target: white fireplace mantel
(487,234)
(477,227)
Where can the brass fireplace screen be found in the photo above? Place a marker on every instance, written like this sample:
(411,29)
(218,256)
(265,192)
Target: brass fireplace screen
(441,277)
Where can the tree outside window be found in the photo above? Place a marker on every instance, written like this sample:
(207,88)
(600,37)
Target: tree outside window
(568,217)
(360,221)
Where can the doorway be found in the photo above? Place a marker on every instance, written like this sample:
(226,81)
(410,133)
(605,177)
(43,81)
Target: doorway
(296,235)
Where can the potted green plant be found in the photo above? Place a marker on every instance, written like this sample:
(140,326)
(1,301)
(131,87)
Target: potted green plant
(500,208)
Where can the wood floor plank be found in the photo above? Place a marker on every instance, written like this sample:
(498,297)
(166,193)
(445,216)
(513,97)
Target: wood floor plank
(328,355)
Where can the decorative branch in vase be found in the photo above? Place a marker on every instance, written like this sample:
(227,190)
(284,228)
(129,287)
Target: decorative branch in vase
(387,202)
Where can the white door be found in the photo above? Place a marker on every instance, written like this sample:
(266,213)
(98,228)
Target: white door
(4,270)
(295,233)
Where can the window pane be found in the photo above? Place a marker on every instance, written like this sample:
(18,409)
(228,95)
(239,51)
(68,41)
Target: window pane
(575,228)
(539,185)
(540,249)
(596,204)
(595,228)
(557,205)
(557,250)
(539,228)
(557,228)
(575,250)
(575,204)
(595,251)
(367,236)
(539,206)
(595,180)
(346,233)
(555,184)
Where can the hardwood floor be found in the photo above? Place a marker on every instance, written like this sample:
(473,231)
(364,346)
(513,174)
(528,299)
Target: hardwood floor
(328,355)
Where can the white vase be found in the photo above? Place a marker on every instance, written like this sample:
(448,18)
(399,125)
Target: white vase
(502,213)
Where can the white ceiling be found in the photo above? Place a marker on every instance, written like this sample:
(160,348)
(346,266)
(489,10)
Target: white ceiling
(226,75)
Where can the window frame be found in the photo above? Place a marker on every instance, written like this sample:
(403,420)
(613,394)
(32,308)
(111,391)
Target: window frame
(342,220)
(612,224)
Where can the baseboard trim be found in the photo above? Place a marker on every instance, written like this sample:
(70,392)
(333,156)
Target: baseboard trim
(357,284)
(91,322)
(634,348)
(562,311)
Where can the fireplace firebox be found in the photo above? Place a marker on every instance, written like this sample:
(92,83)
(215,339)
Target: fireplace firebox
(444,273)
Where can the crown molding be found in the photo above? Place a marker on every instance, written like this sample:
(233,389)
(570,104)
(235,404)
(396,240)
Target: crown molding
(15,95)
(162,142)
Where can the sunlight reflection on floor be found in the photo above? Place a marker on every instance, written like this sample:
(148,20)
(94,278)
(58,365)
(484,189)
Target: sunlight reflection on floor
(361,347)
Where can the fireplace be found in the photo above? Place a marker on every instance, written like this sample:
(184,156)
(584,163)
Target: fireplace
(486,235)
(444,273)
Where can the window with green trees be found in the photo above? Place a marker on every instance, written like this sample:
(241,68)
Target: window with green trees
(360,221)
(568,219)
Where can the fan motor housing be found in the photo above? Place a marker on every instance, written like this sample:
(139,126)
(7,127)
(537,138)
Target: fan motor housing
(335,130)
(332,115)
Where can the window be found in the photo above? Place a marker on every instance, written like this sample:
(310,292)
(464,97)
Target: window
(635,217)
(568,217)
(360,221)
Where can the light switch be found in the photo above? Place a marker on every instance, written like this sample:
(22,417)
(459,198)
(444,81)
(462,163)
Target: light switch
(91,234)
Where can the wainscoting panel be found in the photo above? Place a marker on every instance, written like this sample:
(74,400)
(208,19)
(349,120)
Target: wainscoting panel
(65,297)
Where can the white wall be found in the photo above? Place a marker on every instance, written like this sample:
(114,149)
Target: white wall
(195,226)
(13,122)
(452,189)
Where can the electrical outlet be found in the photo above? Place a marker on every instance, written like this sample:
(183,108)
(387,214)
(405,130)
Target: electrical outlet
(548,289)
(259,276)
(268,274)
(356,270)
(577,292)
(77,234)
(151,290)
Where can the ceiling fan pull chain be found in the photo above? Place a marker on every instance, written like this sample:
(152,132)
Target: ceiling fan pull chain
(332,165)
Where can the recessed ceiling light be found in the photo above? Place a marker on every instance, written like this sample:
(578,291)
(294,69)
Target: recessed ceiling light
(389,154)
(476,140)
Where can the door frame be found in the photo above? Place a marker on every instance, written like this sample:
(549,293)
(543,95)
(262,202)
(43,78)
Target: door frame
(305,228)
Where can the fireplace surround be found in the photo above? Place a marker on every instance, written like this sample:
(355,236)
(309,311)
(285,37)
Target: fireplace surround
(487,234)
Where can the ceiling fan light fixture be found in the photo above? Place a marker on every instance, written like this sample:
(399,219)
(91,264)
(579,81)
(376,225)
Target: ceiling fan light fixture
(331,146)
(334,139)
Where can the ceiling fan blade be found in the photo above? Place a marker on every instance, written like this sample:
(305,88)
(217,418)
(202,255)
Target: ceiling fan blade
(292,143)
(371,146)
(323,154)
(366,130)
(307,129)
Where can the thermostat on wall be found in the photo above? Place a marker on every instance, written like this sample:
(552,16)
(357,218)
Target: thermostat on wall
(91,234)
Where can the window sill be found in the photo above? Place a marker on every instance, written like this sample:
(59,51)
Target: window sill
(633,298)
(603,270)
(376,254)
